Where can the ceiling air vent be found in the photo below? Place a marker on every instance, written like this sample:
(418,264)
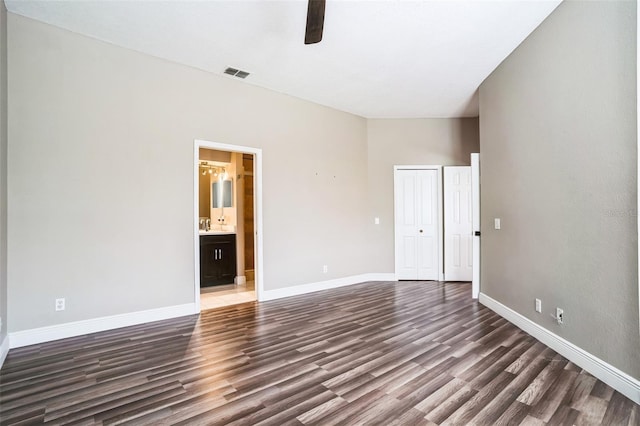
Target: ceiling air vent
(236,73)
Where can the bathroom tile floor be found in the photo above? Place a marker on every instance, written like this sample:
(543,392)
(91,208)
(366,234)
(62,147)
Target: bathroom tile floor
(226,295)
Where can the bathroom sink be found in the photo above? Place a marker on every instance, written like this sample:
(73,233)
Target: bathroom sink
(219,229)
(215,232)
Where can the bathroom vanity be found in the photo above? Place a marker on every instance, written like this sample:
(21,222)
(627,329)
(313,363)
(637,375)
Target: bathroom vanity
(217,258)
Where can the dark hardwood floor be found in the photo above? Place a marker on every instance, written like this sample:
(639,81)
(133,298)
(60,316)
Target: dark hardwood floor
(406,353)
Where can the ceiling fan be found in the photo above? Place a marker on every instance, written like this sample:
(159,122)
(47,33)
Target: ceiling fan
(315,21)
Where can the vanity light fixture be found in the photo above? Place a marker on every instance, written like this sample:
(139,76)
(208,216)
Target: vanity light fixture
(215,171)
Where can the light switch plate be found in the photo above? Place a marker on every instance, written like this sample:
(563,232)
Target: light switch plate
(376,221)
(496,223)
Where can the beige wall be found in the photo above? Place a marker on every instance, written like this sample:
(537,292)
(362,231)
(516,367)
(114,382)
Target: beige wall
(204,200)
(111,131)
(214,155)
(434,141)
(558,162)
(3,171)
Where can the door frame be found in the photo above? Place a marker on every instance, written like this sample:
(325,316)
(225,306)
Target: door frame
(257,219)
(440,214)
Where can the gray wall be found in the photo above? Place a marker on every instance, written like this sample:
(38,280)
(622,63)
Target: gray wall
(3,171)
(558,163)
(101,171)
(429,141)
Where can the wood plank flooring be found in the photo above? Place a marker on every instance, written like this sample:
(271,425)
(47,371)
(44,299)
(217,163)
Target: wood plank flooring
(408,353)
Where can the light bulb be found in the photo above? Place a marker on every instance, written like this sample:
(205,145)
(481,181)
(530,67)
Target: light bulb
(210,171)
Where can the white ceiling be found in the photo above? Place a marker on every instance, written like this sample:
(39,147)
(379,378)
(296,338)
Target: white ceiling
(377,59)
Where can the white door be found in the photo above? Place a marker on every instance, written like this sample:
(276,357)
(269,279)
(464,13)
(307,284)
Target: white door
(475,195)
(416,224)
(458,224)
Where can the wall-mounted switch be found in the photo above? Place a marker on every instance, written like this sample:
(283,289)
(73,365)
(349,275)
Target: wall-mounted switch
(496,223)
(376,221)
(325,269)
(538,305)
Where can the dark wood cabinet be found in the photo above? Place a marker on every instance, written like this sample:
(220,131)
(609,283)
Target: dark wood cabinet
(217,259)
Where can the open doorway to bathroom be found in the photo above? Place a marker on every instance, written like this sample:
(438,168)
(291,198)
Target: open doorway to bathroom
(226,248)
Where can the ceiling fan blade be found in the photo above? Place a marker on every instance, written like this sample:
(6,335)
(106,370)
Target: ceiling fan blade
(315,21)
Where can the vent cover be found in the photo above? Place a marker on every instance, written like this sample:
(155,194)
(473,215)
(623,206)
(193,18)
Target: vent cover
(236,73)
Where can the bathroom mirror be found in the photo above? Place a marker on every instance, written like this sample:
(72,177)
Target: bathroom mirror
(221,195)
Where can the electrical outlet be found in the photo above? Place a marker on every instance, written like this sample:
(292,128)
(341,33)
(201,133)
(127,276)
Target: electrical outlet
(376,221)
(325,269)
(60,304)
(538,305)
(497,223)
(559,315)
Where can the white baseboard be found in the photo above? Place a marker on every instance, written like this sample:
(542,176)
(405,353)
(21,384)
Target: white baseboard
(619,380)
(78,328)
(4,349)
(61,331)
(324,285)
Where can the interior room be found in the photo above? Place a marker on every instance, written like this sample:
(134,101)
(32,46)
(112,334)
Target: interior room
(319,212)
(225,228)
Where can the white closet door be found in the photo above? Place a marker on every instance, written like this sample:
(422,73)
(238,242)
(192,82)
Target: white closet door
(458,224)
(416,224)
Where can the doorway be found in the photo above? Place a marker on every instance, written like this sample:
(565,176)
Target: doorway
(227,224)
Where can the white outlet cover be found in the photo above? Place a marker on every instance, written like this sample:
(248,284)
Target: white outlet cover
(60,304)
(376,221)
(496,223)
(538,305)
